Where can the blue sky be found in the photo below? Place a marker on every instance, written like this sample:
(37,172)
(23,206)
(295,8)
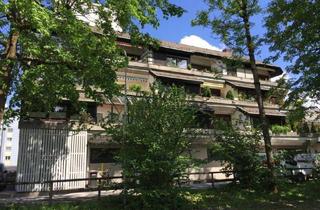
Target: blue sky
(175,29)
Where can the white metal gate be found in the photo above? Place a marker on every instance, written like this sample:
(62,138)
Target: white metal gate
(51,154)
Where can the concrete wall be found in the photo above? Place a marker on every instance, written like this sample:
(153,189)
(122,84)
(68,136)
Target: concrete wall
(9,139)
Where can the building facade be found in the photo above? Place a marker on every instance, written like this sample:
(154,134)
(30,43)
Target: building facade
(9,139)
(50,149)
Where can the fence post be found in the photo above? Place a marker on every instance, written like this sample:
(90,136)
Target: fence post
(99,188)
(50,192)
(212,180)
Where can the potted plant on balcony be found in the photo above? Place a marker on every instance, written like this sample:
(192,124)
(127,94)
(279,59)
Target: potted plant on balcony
(280,129)
(206,92)
(230,95)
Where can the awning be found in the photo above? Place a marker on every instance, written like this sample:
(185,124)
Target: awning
(191,79)
(213,85)
(269,112)
(247,85)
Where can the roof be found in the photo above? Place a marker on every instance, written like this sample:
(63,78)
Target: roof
(247,85)
(204,51)
(192,79)
(269,112)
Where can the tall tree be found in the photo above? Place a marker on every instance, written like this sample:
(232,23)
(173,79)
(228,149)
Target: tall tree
(47,52)
(230,19)
(293,31)
(155,143)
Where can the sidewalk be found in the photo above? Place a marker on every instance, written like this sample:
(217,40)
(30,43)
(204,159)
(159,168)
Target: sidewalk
(10,197)
(13,197)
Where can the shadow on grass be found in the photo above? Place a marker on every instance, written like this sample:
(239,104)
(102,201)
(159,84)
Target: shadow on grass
(291,196)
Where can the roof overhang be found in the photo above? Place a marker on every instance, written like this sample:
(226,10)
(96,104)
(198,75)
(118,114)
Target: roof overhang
(269,112)
(186,78)
(247,85)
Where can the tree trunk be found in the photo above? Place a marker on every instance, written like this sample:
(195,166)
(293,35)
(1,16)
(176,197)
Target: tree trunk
(259,99)
(9,56)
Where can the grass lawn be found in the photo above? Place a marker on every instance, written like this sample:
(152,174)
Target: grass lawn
(291,196)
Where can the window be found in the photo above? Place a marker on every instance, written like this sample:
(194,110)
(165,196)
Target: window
(7,157)
(9,139)
(103,155)
(8,148)
(10,130)
(177,62)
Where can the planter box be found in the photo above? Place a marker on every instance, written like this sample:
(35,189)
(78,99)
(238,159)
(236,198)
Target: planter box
(38,114)
(57,115)
(75,117)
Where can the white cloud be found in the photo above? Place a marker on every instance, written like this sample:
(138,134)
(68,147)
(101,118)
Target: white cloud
(197,41)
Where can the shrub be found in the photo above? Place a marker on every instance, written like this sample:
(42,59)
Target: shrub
(230,95)
(135,88)
(239,151)
(280,129)
(154,142)
(206,92)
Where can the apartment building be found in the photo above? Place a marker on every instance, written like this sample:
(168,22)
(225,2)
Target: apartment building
(49,149)
(9,138)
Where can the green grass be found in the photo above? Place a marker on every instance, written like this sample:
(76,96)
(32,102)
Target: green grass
(291,196)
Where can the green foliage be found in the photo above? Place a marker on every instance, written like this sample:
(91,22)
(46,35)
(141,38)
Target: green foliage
(302,196)
(280,92)
(292,32)
(155,141)
(303,128)
(53,53)
(239,150)
(280,129)
(160,199)
(296,114)
(135,87)
(225,18)
(230,95)
(206,91)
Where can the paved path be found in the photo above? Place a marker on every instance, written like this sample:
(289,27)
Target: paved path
(12,197)
(9,197)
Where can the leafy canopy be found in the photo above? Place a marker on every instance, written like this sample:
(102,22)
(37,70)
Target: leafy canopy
(56,53)
(225,18)
(238,150)
(155,140)
(293,31)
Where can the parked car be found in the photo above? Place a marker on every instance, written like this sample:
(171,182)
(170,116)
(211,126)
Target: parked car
(301,167)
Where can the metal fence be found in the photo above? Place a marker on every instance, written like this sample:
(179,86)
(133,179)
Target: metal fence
(104,183)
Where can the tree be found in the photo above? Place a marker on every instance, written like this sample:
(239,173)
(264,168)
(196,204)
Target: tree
(155,142)
(47,52)
(279,93)
(230,19)
(293,29)
(239,151)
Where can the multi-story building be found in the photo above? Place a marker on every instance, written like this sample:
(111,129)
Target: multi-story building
(9,138)
(49,149)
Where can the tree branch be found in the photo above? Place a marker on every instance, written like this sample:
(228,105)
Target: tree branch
(37,61)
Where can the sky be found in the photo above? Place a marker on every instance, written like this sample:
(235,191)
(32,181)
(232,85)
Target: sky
(179,30)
